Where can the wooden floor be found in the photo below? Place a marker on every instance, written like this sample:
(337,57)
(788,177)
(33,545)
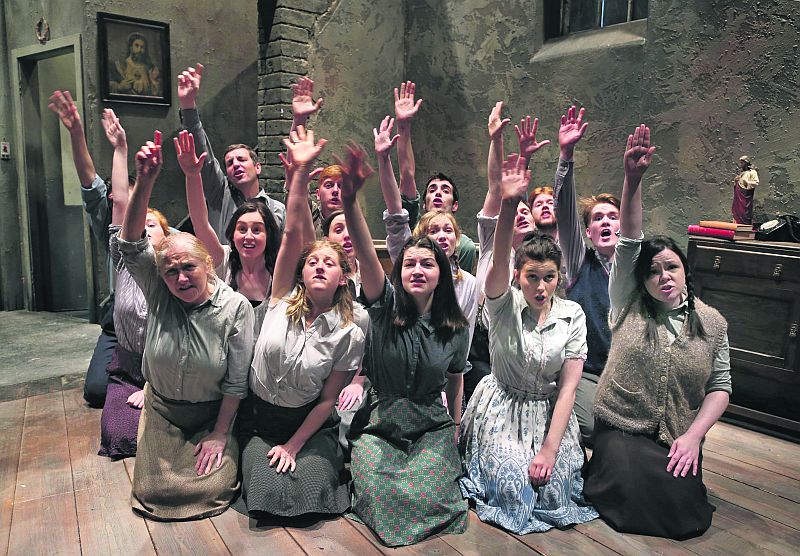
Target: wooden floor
(59,497)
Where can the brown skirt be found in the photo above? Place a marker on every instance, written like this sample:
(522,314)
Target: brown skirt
(166,486)
(628,484)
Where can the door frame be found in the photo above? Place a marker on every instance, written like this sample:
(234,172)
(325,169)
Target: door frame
(33,54)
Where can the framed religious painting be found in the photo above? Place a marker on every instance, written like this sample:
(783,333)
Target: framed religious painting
(134,60)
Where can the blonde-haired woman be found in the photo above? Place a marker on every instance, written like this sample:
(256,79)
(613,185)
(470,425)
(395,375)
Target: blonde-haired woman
(312,339)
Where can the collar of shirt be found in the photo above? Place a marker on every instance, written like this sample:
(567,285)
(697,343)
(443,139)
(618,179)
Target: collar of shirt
(558,310)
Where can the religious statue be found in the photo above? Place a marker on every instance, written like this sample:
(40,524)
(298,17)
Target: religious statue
(744,187)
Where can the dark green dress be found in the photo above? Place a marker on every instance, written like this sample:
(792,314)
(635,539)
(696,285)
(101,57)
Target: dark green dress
(404,462)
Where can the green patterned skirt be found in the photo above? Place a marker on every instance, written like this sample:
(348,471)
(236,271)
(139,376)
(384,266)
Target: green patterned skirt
(405,469)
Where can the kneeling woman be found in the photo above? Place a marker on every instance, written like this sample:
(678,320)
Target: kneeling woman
(404,460)
(666,381)
(520,437)
(196,359)
(312,338)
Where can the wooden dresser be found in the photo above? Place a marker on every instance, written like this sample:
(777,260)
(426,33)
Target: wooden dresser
(756,286)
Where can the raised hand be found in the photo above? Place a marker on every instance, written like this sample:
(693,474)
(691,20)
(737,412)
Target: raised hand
(496,123)
(571,131)
(187,158)
(355,171)
(638,154)
(149,159)
(514,184)
(114,130)
(189,86)
(303,105)
(404,106)
(526,133)
(383,138)
(301,147)
(62,104)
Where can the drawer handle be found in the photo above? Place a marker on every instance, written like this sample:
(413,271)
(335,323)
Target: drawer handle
(776,273)
(793,330)
(717,262)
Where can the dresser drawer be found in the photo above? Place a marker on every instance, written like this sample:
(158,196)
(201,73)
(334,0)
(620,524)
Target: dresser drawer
(730,259)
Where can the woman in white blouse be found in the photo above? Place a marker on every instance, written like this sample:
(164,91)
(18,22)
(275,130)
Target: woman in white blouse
(312,339)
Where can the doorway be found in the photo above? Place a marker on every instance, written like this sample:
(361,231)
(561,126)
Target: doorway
(56,247)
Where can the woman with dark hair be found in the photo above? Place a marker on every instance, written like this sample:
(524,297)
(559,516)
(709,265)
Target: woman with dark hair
(312,339)
(197,354)
(520,440)
(248,262)
(666,382)
(404,460)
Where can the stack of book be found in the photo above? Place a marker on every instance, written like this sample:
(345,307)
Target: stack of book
(723,230)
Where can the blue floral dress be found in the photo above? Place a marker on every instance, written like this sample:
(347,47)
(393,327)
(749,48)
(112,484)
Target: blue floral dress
(508,417)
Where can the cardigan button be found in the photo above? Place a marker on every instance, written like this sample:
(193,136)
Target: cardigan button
(663,378)
(666,349)
(662,436)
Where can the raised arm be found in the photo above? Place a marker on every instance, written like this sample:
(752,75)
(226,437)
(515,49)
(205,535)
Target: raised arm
(195,199)
(405,108)
(637,159)
(356,171)
(384,141)
(214,179)
(491,204)
(298,214)
(513,188)
(119,165)
(570,237)
(148,165)
(303,104)
(62,104)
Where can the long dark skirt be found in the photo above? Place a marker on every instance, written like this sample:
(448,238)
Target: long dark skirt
(627,482)
(166,486)
(119,421)
(319,483)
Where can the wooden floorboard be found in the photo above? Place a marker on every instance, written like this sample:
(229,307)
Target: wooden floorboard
(44,466)
(12,416)
(245,536)
(45,525)
(59,497)
(106,522)
(776,455)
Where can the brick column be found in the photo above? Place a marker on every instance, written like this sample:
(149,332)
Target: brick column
(283,57)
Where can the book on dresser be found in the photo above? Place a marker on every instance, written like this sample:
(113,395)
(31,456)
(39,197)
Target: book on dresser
(721,233)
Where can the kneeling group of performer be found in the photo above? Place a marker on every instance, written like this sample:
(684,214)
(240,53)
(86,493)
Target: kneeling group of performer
(267,360)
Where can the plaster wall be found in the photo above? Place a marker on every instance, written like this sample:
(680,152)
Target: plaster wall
(224,37)
(714,80)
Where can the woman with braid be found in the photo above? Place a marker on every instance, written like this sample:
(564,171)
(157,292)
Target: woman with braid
(665,383)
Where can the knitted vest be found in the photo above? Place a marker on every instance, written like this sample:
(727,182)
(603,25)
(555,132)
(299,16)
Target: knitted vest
(646,390)
(589,289)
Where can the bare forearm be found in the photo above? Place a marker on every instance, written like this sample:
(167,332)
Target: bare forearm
(711,410)
(84,165)
(391,194)
(568,385)
(136,213)
(491,205)
(454,392)
(227,411)
(405,159)
(312,423)
(630,224)
(368,263)
(198,212)
(498,277)
(119,184)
